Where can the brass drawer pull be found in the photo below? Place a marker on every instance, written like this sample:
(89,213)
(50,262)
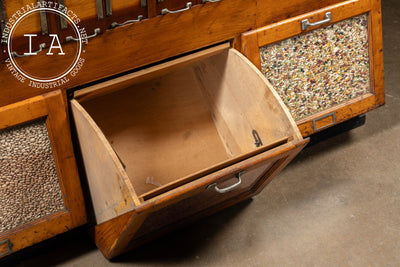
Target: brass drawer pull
(166,10)
(41,47)
(70,38)
(211,1)
(5,247)
(229,188)
(305,23)
(116,24)
(314,126)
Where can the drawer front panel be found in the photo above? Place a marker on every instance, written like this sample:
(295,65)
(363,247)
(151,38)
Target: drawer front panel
(327,65)
(207,198)
(30,187)
(320,69)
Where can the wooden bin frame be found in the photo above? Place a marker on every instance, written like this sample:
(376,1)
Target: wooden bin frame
(119,233)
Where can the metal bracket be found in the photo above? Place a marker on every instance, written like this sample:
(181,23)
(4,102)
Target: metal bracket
(321,118)
(305,23)
(9,245)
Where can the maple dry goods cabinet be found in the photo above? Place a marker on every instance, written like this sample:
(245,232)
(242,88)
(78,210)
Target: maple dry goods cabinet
(326,65)
(40,193)
(178,140)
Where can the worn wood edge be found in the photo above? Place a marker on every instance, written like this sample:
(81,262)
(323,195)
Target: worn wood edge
(375,33)
(22,112)
(78,110)
(120,245)
(61,143)
(107,234)
(121,82)
(249,47)
(296,133)
(39,230)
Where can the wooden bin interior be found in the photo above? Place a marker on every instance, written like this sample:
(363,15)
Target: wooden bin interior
(186,119)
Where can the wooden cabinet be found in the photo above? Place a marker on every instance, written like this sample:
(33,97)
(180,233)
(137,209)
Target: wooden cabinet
(167,144)
(326,65)
(176,140)
(40,193)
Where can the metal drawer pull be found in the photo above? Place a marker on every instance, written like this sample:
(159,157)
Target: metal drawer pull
(166,10)
(305,23)
(41,47)
(70,38)
(229,188)
(211,1)
(116,24)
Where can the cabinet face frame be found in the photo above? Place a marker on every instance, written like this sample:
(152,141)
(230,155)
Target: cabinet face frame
(252,41)
(50,107)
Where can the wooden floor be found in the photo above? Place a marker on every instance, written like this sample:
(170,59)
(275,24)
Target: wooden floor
(337,204)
